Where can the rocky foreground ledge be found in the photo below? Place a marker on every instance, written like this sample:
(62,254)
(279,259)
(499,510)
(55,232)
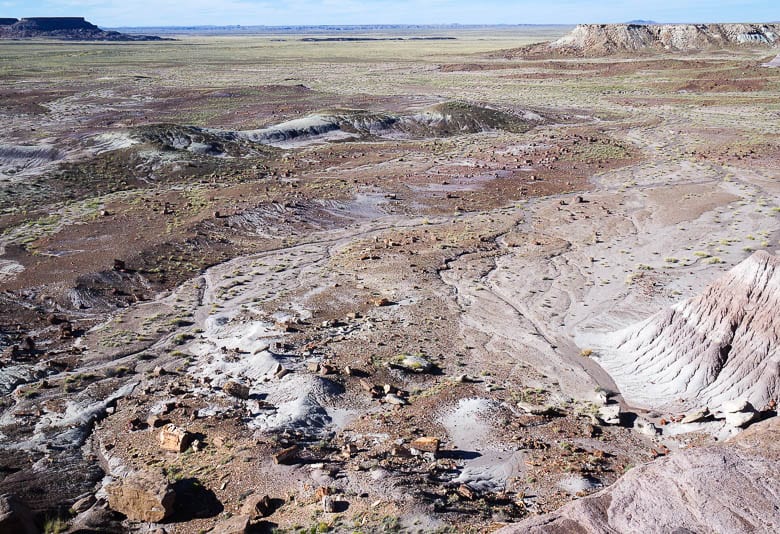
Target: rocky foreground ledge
(728,487)
(63,28)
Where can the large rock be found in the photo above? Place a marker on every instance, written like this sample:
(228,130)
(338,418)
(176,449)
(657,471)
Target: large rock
(740,419)
(238,524)
(426,444)
(730,487)
(610,414)
(257,506)
(15,516)
(236,389)
(143,496)
(175,439)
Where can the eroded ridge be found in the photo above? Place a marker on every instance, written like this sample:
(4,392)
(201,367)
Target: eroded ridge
(718,346)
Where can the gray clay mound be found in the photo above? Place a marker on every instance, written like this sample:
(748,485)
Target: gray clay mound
(719,346)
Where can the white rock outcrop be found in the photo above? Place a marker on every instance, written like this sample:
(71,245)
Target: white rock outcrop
(602,39)
(775,63)
(715,348)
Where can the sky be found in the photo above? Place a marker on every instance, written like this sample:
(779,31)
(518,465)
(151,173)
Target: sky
(115,13)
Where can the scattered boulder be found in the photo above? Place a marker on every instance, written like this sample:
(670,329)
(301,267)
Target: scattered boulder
(537,409)
(175,439)
(322,491)
(28,344)
(328,504)
(740,419)
(392,398)
(466,379)
(237,524)
(156,421)
(466,492)
(696,416)
(643,426)
(413,363)
(98,518)
(257,506)
(287,456)
(66,330)
(235,389)
(738,413)
(610,414)
(426,444)
(368,387)
(142,496)
(83,504)
(349,450)
(281,371)
(736,406)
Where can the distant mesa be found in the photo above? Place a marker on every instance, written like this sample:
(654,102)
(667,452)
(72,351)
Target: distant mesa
(641,22)
(63,28)
(636,38)
(50,24)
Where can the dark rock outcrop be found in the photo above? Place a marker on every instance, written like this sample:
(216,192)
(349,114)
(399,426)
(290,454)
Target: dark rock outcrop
(729,487)
(64,28)
(51,24)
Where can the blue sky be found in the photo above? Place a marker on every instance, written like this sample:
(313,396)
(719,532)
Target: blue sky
(279,12)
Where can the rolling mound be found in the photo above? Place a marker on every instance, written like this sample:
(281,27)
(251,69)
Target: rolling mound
(719,346)
(607,39)
(445,119)
(727,487)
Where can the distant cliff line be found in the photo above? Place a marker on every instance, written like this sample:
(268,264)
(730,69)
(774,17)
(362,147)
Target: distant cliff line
(607,39)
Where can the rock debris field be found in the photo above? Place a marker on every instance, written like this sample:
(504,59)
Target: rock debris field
(455,282)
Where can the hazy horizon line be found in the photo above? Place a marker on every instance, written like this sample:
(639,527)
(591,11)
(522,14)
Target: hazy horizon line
(432,25)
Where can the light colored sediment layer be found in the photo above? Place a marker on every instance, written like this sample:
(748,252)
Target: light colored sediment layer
(615,38)
(774,63)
